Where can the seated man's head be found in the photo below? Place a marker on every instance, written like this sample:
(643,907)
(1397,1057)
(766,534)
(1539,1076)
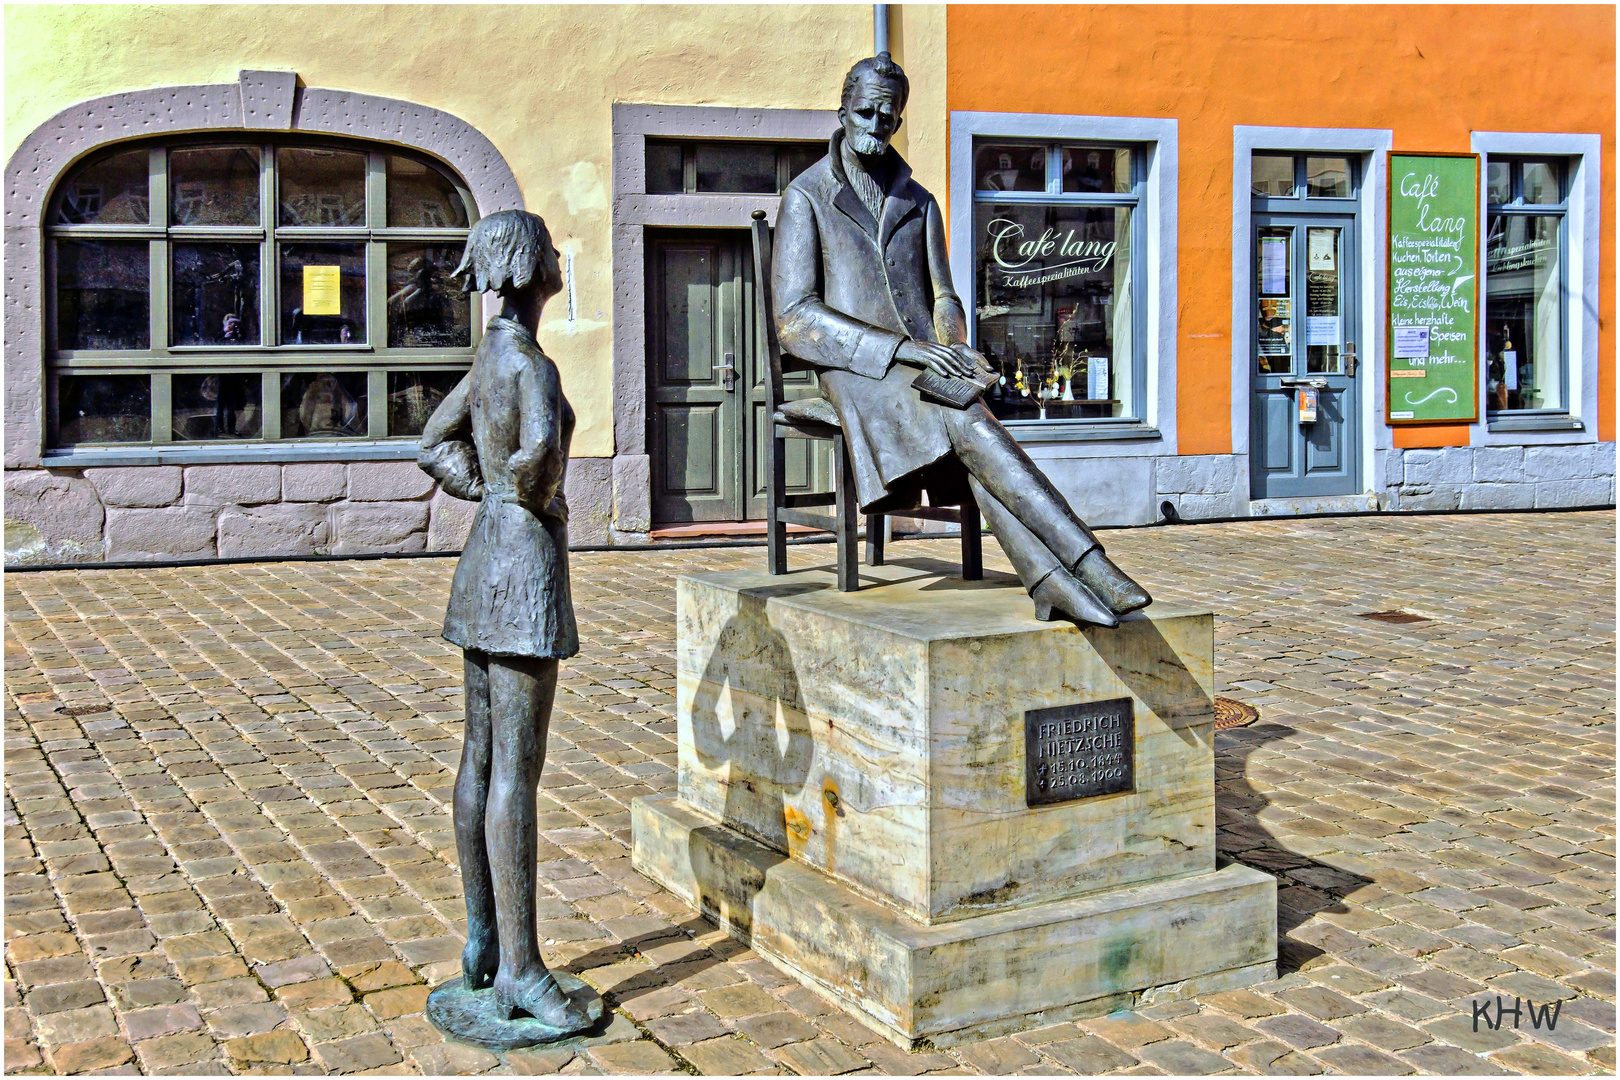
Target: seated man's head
(875,92)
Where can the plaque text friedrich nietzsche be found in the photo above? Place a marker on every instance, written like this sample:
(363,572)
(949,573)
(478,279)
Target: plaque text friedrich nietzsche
(1076,751)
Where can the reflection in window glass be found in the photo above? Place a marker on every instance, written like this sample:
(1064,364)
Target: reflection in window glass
(112,190)
(425,307)
(413,395)
(747,168)
(1324,322)
(214,186)
(1523,313)
(1273,175)
(323,405)
(215,297)
(312,311)
(1274,309)
(421,197)
(665,168)
(222,405)
(321,187)
(104,408)
(800,158)
(102,289)
(1056,320)
(1010,168)
(1090,168)
(1541,185)
(1327,178)
(1498,182)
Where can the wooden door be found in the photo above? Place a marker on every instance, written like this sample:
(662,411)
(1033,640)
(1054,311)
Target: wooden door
(706,423)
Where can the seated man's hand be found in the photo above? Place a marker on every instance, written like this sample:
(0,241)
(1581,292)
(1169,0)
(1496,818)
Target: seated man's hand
(941,359)
(972,356)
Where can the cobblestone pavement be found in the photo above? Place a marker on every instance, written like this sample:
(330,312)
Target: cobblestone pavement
(228,842)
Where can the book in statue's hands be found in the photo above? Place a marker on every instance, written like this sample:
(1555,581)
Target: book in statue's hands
(956,392)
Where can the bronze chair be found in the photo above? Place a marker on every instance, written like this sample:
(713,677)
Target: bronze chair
(815,418)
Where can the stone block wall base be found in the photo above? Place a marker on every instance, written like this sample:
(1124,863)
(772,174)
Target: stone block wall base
(972,978)
(1366,503)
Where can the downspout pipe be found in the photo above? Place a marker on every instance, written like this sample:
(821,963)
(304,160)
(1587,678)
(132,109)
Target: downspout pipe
(880,28)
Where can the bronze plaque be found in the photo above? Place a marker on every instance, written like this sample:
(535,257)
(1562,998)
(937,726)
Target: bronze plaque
(1077,751)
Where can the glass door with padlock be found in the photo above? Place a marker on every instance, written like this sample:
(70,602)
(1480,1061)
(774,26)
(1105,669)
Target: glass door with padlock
(1304,429)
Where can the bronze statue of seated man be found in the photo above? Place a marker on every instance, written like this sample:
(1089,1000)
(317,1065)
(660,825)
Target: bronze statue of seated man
(863,292)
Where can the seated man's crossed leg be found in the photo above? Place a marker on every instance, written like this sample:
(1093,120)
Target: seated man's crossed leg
(1056,557)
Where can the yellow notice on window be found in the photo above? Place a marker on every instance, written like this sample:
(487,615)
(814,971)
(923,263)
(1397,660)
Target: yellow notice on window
(322,290)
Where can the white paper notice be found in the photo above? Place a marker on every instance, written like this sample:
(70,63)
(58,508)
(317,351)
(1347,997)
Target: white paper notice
(1411,342)
(1097,378)
(1321,249)
(1273,265)
(1321,329)
(1510,368)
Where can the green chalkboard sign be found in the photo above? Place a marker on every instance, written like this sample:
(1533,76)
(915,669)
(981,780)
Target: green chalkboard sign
(1432,376)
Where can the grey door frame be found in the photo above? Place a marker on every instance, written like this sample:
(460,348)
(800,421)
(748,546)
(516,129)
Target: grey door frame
(633,212)
(1366,151)
(1346,390)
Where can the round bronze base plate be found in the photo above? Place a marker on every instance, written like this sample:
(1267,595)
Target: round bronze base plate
(472,1016)
(1231,714)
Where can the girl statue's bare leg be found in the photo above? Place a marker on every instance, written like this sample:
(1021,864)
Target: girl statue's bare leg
(481,957)
(521,690)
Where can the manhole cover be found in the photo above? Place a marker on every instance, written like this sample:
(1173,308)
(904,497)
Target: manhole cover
(1393,616)
(83,710)
(1231,714)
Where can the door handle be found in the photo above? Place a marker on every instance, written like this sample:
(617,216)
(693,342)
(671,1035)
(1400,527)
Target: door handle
(1350,359)
(728,371)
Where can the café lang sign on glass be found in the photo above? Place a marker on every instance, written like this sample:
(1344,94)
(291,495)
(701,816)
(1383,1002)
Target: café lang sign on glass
(1434,287)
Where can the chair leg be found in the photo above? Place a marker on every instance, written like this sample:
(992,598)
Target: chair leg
(776,494)
(972,542)
(876,534)
(846,519)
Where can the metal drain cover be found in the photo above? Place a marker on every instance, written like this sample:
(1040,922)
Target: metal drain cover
(1231,714)
(1396,616)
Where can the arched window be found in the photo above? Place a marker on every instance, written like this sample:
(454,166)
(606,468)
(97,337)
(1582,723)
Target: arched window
(245,289)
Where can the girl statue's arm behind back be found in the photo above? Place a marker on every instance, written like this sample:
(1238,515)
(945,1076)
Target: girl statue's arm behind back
(538,463)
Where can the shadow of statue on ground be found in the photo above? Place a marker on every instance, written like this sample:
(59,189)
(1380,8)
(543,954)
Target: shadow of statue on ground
(1305,887)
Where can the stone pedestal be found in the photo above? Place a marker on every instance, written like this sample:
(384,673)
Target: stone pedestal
(853,801)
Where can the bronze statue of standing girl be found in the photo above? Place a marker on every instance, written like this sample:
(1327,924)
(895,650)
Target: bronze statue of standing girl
(501,437)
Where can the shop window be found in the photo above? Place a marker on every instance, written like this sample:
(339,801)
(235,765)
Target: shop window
(251,291)
(726,167)
(1058,270)
(1525,286)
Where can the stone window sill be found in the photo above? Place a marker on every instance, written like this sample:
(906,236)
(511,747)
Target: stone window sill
(269,453)
(1534,422)
(1072,431)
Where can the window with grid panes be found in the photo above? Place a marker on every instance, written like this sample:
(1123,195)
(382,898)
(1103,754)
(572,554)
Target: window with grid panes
(1526,203)
(249,290)
(1059,238)
(727,167)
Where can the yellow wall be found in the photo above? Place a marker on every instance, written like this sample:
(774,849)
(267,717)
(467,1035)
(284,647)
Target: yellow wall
(538,81)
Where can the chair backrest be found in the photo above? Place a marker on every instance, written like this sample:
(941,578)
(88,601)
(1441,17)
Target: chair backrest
(765,311)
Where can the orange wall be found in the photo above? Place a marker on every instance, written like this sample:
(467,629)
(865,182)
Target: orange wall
(1432,74)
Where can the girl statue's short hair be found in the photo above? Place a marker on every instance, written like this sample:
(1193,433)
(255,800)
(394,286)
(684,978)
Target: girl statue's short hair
(504,251)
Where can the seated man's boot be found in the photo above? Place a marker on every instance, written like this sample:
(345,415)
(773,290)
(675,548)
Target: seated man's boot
(1059,592)
(1099,574)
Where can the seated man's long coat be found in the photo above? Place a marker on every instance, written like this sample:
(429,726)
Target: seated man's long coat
(848,291)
